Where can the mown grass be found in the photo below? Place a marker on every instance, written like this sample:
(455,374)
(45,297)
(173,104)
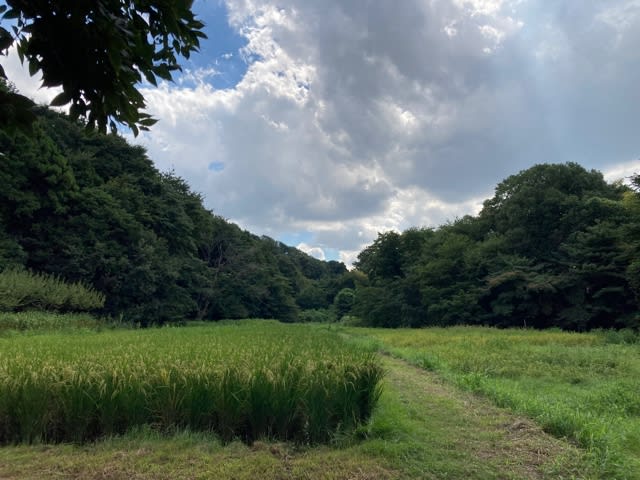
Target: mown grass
(575,385)
(244,380)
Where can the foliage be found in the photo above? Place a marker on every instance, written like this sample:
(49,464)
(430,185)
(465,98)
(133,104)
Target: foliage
(23,290)
(242,380)
(343,303)
(98,52)
(555,246)
(39,321)
(319,315)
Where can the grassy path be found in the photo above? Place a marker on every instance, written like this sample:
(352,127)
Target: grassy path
(460,435)
(422,429)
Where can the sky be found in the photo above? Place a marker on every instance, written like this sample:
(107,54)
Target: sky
(321,124)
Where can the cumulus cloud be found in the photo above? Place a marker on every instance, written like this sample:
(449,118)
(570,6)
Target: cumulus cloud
(316,252)
(351,120)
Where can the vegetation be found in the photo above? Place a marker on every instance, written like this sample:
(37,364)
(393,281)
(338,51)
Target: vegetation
(99,53)
(555,246)
(38,322)
(575,385)
(23,290)
(420,428)
(248,381)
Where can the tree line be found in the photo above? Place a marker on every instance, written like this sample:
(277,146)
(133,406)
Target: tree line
(88,207)
(556,246)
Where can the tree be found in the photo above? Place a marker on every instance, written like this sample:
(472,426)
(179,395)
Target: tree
(343,303)
(537,209)
(98,51)
(383,258)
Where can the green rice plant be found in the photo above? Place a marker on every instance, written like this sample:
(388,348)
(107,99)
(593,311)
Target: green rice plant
(246,380)
(23,290)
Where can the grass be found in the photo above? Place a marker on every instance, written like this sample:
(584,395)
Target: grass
(244,380)
(421,428)
(35,321)
(578,386)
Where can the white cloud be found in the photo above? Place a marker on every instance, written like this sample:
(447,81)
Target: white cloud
(316,252)
(622,171)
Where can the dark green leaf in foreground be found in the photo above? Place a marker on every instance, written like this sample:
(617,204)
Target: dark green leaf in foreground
(98,52)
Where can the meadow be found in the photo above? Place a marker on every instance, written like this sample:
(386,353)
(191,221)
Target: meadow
(584,387)
(246,380)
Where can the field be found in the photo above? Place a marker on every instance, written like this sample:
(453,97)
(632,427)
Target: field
(581,386)
(248,380)
(455,403)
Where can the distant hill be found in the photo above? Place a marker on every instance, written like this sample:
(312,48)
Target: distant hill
(90,207)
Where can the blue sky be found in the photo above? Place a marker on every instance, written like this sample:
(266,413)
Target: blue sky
(222,49)
(321,124)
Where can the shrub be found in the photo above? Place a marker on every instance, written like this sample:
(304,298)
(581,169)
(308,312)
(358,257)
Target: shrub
(24,290)
(316,315)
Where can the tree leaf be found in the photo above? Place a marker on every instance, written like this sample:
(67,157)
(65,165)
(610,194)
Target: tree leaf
(61,99)
(34,67)
(11,14)
(5,39)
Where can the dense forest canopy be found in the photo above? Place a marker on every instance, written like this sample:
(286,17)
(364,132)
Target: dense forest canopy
(90,208)
(555,246)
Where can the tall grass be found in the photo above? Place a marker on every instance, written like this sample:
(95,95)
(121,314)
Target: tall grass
(40,321)
(22,290)
(582,386)
(248,380)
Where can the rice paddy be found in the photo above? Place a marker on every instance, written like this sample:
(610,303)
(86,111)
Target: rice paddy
(244,380)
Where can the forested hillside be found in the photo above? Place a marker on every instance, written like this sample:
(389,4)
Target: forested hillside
(555,246)
(90,208)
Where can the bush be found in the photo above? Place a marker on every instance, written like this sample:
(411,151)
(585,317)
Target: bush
(316,315)
(624,336)
(24,290)
(343,303)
